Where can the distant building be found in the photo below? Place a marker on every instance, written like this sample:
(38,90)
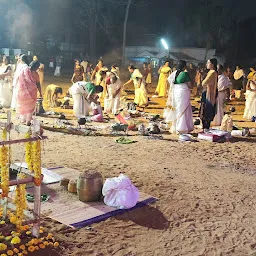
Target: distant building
(156,55)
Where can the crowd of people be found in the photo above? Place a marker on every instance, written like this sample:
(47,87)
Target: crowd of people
(20,86)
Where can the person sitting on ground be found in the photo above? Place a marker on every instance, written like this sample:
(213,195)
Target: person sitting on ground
(51,95)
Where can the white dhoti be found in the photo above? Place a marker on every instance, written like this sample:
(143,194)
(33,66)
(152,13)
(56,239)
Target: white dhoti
(5,94)
(81,105)
(221,99)
(250,104)
(57,71)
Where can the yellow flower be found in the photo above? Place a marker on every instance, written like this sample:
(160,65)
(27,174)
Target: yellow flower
(22,247)
(49,236)
(3,254)
(42,246)
(10,252)
(28,233)
(41,231)
(25,252)
(16,250)
(8,238)
(3,247)
(51,243)
(36,248)
(15,240)
(56,244)
(46,243)
(13,219)
(31,248)
(2,237)
(2,222)
(20,254)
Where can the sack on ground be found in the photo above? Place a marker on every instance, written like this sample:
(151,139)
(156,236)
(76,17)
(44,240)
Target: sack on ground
(119,192)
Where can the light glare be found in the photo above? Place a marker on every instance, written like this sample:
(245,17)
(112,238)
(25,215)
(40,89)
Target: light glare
(165,45)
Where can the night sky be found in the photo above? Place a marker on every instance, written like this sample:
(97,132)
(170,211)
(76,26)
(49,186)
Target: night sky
(184,23)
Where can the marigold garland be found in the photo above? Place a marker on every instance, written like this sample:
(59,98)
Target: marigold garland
(4,165)
(33,158)
(21,204)
(36,153)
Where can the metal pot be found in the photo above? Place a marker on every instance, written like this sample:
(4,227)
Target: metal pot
(89,186)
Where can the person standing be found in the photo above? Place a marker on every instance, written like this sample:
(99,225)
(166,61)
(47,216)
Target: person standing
(250,96)
(162,86)
(238,82)
(40,71)
(112,99)
(5,83)
(28,85)
(21,63)
(209,95)
(84,64)
(149,76)
(179,110)
(223,87)
(140,93)
(78,73)
(58,66)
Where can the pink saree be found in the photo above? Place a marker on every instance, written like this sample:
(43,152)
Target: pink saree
(27,92)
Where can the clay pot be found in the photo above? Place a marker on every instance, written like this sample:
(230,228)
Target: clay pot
(72,186)
(89,186)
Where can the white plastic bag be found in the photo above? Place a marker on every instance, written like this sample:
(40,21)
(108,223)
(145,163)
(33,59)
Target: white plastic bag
(119,192)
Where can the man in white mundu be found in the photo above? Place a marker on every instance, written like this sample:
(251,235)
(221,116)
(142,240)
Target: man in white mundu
(223,85)
(83,93)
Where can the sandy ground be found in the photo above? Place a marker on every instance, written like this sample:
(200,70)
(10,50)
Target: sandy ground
(206,194)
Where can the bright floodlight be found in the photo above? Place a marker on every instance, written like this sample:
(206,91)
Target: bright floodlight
(165,45)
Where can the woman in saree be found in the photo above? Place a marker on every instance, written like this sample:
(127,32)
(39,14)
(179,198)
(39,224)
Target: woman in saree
(164,71)
(250,96)
(5,83)
(21,63)
(78,75)
(141,96)
(209,95)
(179,110)
(28,85)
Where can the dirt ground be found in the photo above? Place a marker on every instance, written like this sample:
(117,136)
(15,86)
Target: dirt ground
(206,193)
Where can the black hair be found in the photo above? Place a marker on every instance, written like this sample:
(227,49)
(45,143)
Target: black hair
(24,58)
(214,63)
(167,61)
(98,89)
(7,59)
(114,65)
(180,67)
(58,90)
(221,67)
(145,63)
(131,67)
(102,72)
(34,65)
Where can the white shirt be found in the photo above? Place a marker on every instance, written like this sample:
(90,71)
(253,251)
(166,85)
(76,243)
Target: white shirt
(223,82)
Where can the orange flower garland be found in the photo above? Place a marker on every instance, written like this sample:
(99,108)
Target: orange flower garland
(4,164)
(33,159)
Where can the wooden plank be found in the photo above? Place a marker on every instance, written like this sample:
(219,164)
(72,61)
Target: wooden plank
(22,140)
